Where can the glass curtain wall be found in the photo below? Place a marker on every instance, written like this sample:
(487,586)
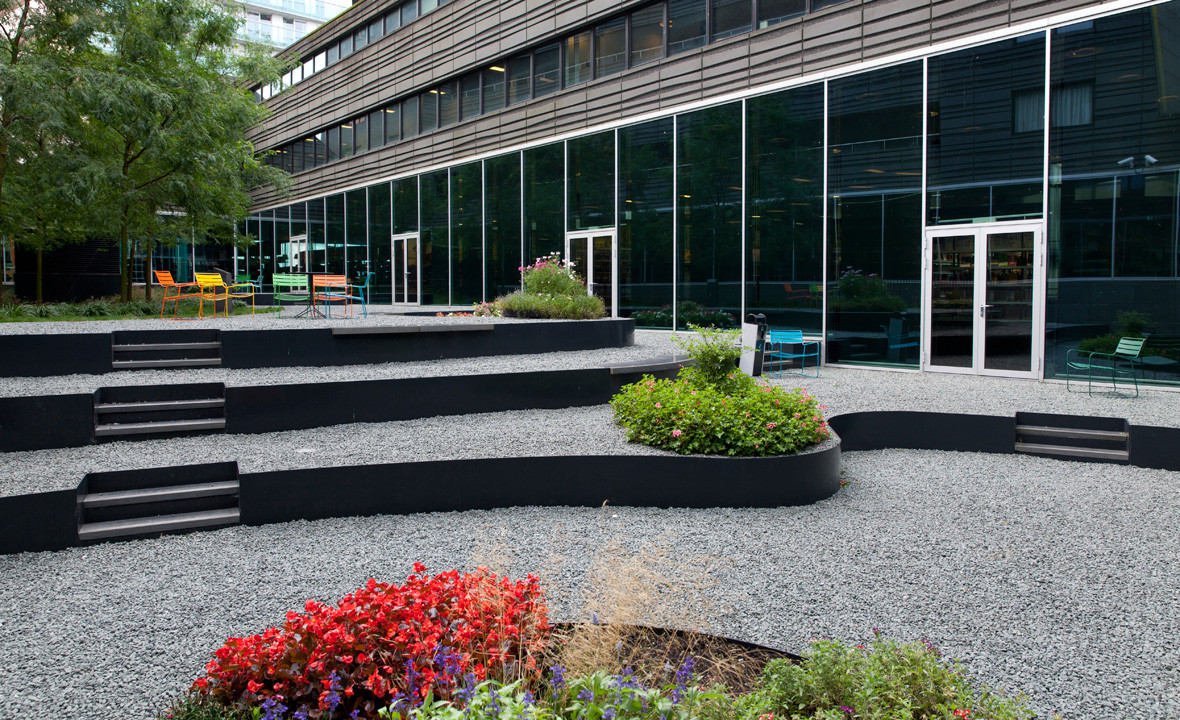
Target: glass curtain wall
(709,217)
(502,259)
(645,223)
(467,234)
(266,244)
(1114,153)
(544,201)
(316,236)
(299,230)
(380,228)
(875,215)
(434,260)
(784,206)
(356,254)
(591,183)
(405,205)
(334,235)
(282,240)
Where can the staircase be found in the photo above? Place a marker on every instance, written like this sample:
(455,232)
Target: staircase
(132,504)
(152,411)
(1073,436)
(148,349)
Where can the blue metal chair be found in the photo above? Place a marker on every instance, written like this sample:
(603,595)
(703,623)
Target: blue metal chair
(1124,362)
(783,348)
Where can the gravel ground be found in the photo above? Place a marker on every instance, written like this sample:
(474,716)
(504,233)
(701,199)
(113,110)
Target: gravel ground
(1061,580)
(1056,579)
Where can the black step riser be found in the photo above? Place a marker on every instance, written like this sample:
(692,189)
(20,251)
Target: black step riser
(166,354)
(160,477)
(1053,456)
(1072,422)
(165,507)
(1072,442)
(146,337)
(158,393)
(151,535)
(138,436)
(115,418)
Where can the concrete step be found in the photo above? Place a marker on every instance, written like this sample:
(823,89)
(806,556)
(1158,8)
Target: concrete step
(150,347)
(152,428)
(159,494)
(159,406)
(159,524)
(173,363)
(1074,452)
(1071,433)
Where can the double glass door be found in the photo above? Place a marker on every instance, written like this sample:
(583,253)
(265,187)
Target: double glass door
(593,254)
(404,268)
(983,301)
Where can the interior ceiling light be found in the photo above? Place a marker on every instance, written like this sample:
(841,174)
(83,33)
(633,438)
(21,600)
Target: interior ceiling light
(1083,52)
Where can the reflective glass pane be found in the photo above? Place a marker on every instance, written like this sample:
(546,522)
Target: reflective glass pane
(333,140)
(376,129)
(494,87)
(686,25)
(466,234)
(427,5)
(645,223)
(952,298)
(393,21)
(709,221)
(316,235)
(469,101)
(266,244)
(376,30)
(732,17)
(1008,313)
(544,206)
(409,11)
(577,59)
(591,181)
(405,205)
(502,224)
(347,147)
(360,134)
(282,229)
(546,70)
(784,202)
(428,111)
(393,123)
(360,38)
(433,262)
(875,218)
(448,104)
(334,240)
(647,34)
(610,47)
(519,73)
(356,240)
(409,117)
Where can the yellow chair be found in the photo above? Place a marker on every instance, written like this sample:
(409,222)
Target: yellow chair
(213,288)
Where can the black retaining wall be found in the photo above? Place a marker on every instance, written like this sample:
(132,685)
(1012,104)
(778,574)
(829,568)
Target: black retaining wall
(877,430)
(38,522)
(585,481)
(46,421)
(1155,447)
(47,355)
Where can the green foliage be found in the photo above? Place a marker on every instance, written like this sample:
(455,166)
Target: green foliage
(887,680)
(558,307)
(1129,324)
(197,706)
(105,309)
(856,291)
(692,416)
(551,275)
(716,353)
(690,314)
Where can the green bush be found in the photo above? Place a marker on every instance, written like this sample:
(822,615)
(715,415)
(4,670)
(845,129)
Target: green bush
(558,307)
(715,353)
(856,291)
(689,415)
(551,275)
(196,706)
(885,681)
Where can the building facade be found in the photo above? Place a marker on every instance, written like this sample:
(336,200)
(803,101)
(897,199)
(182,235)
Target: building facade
(970,187)
(278,23)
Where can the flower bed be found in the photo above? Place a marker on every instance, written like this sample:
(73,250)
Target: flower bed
(550,289)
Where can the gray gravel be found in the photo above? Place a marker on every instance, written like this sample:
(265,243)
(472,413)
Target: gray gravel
(1056,579)
(1061,580)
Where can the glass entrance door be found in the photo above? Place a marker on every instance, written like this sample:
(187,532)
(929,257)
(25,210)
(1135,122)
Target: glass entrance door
(404,268)
(593,254)
(983,300)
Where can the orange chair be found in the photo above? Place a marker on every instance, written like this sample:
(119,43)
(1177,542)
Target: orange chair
(165,281)
(329,288)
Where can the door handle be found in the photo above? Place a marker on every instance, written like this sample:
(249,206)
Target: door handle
(982,309)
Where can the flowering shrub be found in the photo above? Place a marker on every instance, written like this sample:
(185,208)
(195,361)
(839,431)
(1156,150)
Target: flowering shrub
(886,679)
(689,416)
(551,289)
(385,645)
(550,275)
(715,353)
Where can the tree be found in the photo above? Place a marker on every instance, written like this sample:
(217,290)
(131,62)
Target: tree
(168,106)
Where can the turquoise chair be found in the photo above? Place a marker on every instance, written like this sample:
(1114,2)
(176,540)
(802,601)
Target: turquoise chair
(1123,362)
(783,348)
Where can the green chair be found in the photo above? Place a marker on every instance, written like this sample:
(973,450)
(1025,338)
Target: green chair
(1123,362)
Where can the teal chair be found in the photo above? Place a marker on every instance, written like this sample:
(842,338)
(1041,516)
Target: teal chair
(1123,362)
(784,349)
(351,293)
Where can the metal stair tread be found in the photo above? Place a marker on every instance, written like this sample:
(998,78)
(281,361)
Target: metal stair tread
(151,405)
(158,427)
(159,494)
(159,523)
(179,362)
(1097,453)
(144,347)
(1074,433)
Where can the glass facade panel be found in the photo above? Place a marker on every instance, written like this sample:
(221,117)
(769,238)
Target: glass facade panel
(266,244)
(577,58)
(360,134)
(299,222)
(502,224)
(405,205)
(980,166)
(357,236)
(647,34)
(610,47)
(494,88)
(393,122)
(1114,145)
(409,11)
(333,140)
(283,254)
(428,113)
(520,71)
(875,215)
(773,12)
(784,205)
(546,70)
(380,228)
(467,234)
(393,21)
(434,261)
(316,242)
(409,117)
(709,217)
(334,235)
(376,125)
(732,17)
(686,25)
(346,145)
(428,5)
(544,195)
(645,223)
(591,182)
(448,104)
(469,96)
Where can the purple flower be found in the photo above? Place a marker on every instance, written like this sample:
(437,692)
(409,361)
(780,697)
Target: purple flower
(273,709)
(846,709)
(301,713)
(586,696)
(558,679)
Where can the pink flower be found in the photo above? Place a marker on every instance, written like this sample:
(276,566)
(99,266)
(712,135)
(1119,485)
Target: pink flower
(676,433)
(659,405)
(770,426)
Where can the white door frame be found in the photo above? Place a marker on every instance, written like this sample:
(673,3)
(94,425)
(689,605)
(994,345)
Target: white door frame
(588,272)
(980,231)
(396,263)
